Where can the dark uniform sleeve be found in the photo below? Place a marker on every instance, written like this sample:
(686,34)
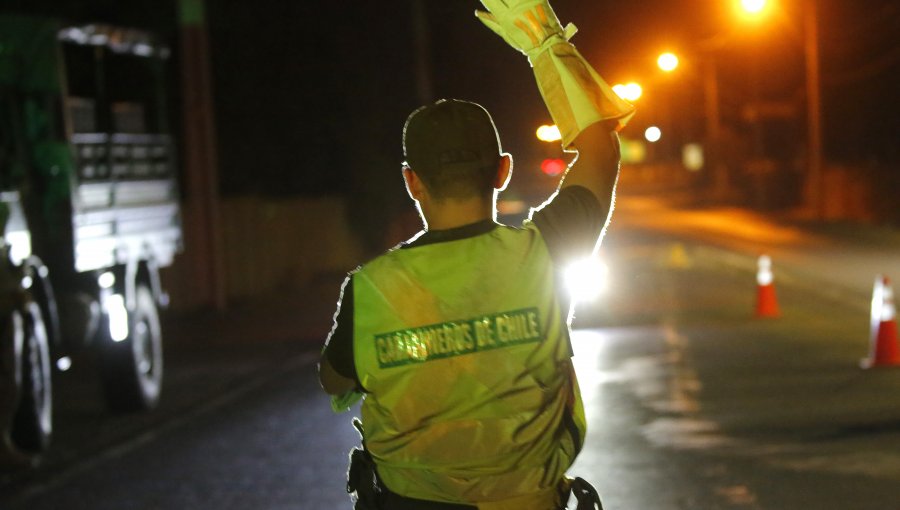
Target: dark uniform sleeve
(339,345)
(571,223)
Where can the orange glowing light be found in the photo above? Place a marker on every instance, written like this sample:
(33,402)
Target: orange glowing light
(668,62)
(630,91)
(753,6)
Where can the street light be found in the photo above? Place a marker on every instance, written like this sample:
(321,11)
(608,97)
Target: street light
(705,67)
(547,133)
(630,91)
(668,62)
(552,166)
(753,10)
(754,7)
(815,178)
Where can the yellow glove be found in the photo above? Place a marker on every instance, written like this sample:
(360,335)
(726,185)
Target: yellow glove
(529,26)
(574,93)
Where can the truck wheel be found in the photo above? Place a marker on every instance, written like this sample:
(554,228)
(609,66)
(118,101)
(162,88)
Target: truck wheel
(132,369)
(33,421)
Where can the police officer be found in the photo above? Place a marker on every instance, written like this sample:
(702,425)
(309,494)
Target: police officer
(457,340)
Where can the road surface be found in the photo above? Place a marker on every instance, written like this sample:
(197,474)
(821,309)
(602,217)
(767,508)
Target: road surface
(692,403)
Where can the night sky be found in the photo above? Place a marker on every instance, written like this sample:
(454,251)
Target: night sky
(311,95)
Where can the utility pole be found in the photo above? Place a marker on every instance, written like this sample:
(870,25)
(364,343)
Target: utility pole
(422,48)
(721,187)
(203,232)
(815,179)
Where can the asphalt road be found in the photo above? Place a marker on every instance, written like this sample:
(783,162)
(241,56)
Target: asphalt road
(692,404)
(699,405)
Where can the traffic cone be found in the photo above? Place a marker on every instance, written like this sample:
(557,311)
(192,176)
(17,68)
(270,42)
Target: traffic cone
(884,348)
(766,302)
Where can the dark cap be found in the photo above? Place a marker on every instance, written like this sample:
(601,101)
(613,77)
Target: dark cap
(451,134)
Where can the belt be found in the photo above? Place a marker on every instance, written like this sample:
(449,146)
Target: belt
(551,498)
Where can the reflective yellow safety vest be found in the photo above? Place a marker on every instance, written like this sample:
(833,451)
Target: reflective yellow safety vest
(464,354)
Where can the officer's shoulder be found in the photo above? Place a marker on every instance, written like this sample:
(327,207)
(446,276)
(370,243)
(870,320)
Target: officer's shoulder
(387,254)
(386,257)
(526,228)
(525,234)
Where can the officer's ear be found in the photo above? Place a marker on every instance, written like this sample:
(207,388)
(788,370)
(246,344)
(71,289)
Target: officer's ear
(504,171)
(414,186)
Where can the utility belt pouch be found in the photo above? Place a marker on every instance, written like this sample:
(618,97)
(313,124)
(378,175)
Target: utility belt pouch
(361,482)
(586,495)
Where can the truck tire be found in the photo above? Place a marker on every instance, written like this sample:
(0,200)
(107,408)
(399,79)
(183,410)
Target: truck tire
(32,424)
(131,370)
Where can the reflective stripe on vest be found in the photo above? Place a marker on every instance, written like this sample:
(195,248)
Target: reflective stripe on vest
(464,353)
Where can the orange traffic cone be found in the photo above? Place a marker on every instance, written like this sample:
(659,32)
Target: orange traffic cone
(766,302)
(884,349)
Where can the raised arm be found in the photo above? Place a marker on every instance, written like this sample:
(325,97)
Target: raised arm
(597,166)
(586,110)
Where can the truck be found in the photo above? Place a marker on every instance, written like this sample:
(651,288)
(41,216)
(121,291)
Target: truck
(89,210)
